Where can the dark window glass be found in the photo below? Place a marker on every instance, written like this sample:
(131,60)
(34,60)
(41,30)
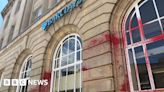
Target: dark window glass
(156,57)
(151,30)
(70,70)
(133,71)
(142,69)
(162,23)
(134,21)
(78,55)
(128,38)
(136,36)
(128,20)
(78,45)
(160,6)
(147,12)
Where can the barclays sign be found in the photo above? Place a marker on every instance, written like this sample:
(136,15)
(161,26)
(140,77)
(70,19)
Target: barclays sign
(46,24)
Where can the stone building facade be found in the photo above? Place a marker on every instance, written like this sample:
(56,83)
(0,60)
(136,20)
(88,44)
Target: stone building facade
(96,25)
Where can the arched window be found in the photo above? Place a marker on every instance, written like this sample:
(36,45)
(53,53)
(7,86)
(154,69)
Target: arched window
(25,73)
(67,65)
(144,44)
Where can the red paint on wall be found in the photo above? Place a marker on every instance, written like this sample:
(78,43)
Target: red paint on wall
(46,76)
(105,37)
(125,85)
(112,38)
(43,88)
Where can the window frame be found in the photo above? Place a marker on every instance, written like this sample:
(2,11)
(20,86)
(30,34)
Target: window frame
(142,43)
(36,13)
(11,34)
(18,6)
(23,71)
(54,4)
(59,47)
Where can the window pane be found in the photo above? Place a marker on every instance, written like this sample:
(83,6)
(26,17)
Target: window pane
(78,57)
(70,78)
(71,45)
(70,70)
(134,21)
(162,23)
(128,38)
(78,45)
(136,36)
(160,7)
(133,72)
(63,80)
(71,58)
(56,81)
(63,72)
(79,40)
(78,76)
(142,69)
(128,20)
(151,30)
(29,64)
(147,11)
(64,61)
(65,48)
(156,57)
(28,74)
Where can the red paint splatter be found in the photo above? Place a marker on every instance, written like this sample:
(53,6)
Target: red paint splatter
(105,37)
(46,76)
(112,38)
(84,68)
(125,86)
(43,88)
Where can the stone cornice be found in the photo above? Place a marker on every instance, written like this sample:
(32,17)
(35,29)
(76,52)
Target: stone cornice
(7,7)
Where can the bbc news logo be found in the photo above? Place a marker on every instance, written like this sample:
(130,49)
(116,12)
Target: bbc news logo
(22,82)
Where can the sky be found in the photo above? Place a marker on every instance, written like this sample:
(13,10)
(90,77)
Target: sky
(2,5)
